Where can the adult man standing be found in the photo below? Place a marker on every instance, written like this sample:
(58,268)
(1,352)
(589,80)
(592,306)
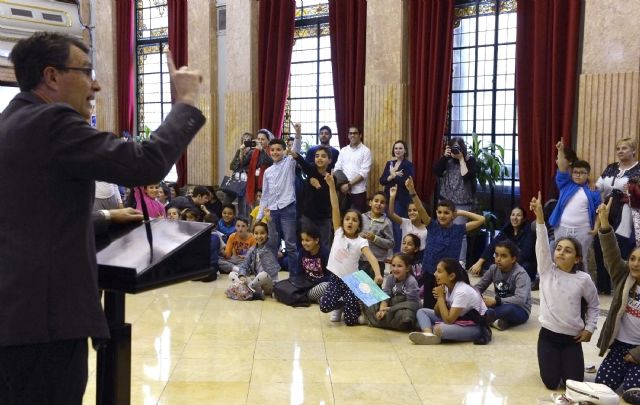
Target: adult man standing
(355,162)
(325,138)
(49,301)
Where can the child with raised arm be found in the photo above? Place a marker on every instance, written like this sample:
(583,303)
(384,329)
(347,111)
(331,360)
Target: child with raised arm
(415,224)
(562,289)
(621,331)
(279,197)
(444,239)
(575,212)
(346,249)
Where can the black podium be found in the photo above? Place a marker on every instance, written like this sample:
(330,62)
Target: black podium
(127,264)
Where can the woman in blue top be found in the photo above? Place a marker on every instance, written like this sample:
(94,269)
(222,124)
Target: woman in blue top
(396,172)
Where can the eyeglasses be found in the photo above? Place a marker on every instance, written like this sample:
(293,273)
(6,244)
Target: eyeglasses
(580,173)
(88,71)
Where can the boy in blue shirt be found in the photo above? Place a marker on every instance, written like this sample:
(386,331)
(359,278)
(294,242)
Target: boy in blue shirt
(575,212)
(279,197)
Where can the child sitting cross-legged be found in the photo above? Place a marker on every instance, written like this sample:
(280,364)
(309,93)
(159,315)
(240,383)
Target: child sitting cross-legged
(237,247)
(261,263)
(312,261)
(511,286)
(398,312)
(456,303)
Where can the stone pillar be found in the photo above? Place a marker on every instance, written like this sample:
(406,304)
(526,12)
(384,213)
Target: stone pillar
(385,93)
(203,151)
(105,56)
(241,97)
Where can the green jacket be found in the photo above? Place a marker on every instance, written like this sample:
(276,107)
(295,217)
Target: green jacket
(622,283)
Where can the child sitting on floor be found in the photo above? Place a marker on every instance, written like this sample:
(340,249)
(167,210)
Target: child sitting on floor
(399,311)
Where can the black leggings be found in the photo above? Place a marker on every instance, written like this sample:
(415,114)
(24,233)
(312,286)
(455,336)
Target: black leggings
(560,358)
(429,283)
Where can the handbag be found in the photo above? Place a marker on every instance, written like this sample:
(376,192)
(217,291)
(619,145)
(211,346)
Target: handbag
(294,291)
(235,185)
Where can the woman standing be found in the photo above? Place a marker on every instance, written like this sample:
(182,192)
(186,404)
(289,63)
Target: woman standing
(457,171)
(257,162)
(613,183)
(396,172)
(237,166)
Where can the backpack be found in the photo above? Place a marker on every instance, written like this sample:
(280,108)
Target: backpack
(293,291)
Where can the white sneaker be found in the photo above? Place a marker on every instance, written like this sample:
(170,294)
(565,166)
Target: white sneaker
(233,276)
(336,315)
(424,338)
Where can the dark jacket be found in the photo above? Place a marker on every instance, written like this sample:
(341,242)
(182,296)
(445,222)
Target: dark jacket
(50,157)
(315,204)
(622,283)
(526,242)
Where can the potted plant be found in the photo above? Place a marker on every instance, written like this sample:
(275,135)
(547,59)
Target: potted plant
(490,169)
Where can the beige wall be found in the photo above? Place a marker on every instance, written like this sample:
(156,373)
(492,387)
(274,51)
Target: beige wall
(611,36)
(608,91)
(105,62)
(385,93)
(203,150)
(241,96)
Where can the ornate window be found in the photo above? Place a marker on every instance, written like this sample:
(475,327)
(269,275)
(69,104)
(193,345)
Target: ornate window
(310,100)
(483,81)
(153,89)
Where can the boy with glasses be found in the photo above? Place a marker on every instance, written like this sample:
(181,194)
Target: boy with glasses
(575,212)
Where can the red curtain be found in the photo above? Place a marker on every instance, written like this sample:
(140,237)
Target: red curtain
(125,66)
(348,27)
(430,53)
(179,46)
(546,73)
(276,25)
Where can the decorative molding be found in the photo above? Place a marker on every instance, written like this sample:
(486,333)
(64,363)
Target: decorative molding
(202,151)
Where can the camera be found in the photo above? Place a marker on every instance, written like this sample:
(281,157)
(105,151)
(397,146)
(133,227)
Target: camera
(455,150)
(249,144)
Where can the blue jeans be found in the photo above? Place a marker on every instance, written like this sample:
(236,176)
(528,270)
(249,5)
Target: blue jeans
(512,313)
(427,318)
(283,226)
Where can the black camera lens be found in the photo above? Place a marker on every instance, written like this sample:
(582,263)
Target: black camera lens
(455,150)
(250,144)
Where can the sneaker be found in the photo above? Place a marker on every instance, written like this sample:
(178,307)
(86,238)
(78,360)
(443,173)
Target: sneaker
(500,324)
(590,368)
(484,338)
(424,338)
(632,396)
(489,316)
(336,315)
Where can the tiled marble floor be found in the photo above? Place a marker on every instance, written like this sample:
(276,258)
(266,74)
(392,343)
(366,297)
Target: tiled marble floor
(192,345)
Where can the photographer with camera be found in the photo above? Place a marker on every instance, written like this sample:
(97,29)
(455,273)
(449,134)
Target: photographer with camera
(237,165)
(457,172)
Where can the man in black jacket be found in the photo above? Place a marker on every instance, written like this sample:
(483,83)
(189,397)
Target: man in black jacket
(49,301)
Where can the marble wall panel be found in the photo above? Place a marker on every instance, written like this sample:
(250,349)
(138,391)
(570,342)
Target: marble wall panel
(241,115)
(608,109)
(385,122)
(611,33)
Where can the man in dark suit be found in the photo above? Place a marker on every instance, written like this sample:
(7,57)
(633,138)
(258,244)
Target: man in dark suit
(49,301)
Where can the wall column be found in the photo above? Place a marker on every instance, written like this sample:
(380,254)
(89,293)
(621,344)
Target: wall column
(203,154)
(241,96)
(385,92)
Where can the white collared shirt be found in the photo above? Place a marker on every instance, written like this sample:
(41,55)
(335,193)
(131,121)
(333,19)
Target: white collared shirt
(355,161)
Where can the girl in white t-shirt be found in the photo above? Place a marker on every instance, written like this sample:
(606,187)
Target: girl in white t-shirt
(455,298)
(346,249)
(415,224)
